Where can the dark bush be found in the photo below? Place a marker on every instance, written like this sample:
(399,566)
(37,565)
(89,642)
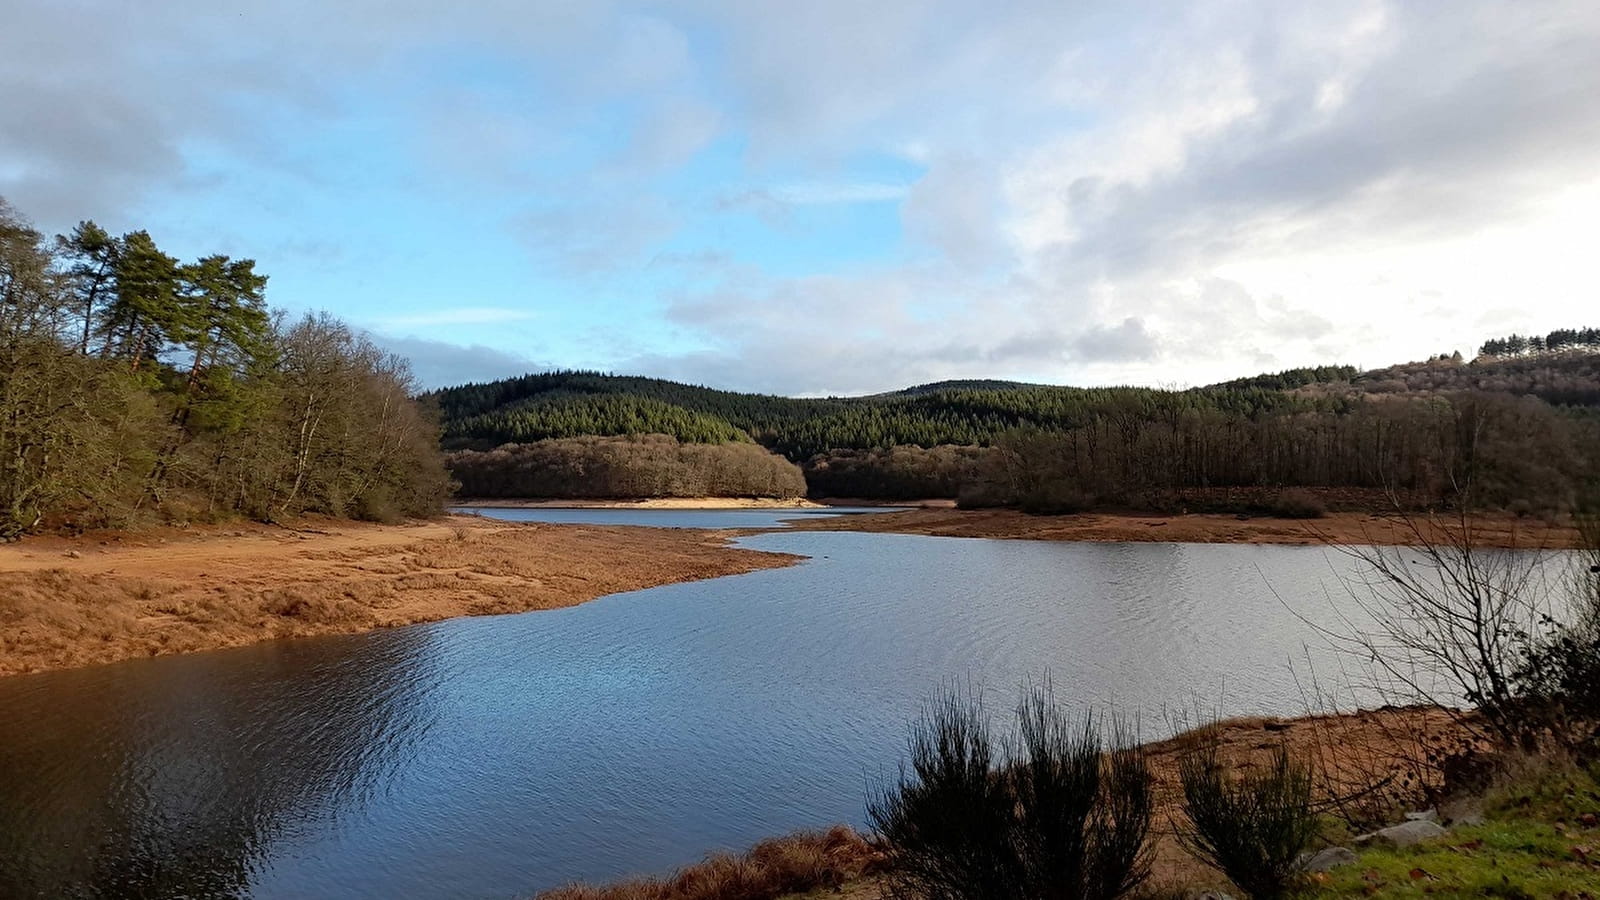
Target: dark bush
(1053,500)
(1298,504)
(1558,683)
(979,496)
(1252,826)
(1065,818)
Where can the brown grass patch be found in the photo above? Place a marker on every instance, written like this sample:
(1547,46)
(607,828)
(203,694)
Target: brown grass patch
(800,862)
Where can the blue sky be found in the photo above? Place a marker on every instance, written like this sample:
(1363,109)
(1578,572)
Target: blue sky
(835,197)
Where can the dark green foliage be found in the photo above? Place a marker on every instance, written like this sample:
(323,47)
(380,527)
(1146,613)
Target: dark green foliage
(566,403)
(1064,816)
(1294,378)
(1251,825)
(1556,341)
(625,467)
(564,415)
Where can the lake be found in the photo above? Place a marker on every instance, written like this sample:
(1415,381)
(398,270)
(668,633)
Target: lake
(493,757)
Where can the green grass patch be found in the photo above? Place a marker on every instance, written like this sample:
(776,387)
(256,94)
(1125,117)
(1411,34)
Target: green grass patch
(1540,841)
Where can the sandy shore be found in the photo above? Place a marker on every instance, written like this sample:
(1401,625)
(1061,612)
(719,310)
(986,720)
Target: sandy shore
(68,602)
(652,503)
(1337,528)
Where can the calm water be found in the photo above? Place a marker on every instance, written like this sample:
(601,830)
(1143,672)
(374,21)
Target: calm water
(493,757)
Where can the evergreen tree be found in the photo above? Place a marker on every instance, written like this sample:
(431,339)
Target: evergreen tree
(147,308)
(92,255)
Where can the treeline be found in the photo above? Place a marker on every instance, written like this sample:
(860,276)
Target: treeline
(1486,450)
(1555,342)
(138,387)
(625,467)
(1289,379)
(1567,379)
(898,473)
(1523,429)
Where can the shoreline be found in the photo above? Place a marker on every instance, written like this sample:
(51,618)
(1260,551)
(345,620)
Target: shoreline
(1338,528)
(1362,742)
(641,503)
(67,602)
(107,596)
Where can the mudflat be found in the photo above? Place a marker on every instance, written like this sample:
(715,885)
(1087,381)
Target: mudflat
(68,602)
(1198,528)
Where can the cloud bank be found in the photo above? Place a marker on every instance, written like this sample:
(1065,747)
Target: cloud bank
(1099,192)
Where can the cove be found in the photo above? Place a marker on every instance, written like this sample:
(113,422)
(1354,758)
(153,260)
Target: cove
(497,756)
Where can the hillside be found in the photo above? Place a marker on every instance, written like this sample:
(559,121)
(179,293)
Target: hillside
(966,413)
(1520,426)
(575,404)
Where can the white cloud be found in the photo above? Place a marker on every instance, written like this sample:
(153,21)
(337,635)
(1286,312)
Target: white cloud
(437,364)
(1149,190)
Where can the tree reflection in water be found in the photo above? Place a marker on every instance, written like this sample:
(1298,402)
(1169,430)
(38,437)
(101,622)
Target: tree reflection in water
(178,776)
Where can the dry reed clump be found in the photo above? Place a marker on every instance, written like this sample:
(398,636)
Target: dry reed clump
(799,862)
(49,613)
(315,605)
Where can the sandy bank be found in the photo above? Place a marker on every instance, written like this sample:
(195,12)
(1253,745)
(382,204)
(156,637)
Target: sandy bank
(75,601)
(1339,528)
(651,503)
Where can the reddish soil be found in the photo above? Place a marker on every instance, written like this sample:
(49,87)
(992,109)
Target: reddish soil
(68,602)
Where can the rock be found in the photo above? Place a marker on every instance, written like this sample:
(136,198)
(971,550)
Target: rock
(1427,815)
(1406,834)
(73,554)
(1327,859)
(1463,812)
(1207,895)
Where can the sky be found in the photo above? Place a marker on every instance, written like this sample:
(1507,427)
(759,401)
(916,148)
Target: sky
(833,197)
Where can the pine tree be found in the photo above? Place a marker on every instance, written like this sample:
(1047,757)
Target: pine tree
(92,254)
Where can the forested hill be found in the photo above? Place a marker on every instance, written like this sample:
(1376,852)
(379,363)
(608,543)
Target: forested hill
(572,404)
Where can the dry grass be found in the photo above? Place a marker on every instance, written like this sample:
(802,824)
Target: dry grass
(1378,747)
(801,862)
(72,602)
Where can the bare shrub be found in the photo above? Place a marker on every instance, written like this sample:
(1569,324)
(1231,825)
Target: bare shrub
(1444,622)
(653,465)
(1064,816)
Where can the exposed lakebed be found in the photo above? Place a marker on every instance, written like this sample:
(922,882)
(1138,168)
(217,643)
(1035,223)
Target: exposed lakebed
(495,756)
